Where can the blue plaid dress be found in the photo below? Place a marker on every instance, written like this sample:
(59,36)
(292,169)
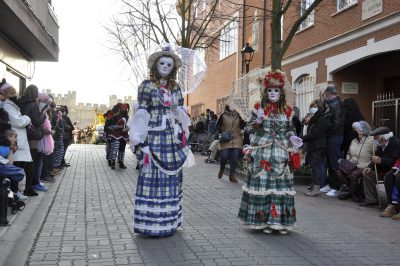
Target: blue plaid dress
(268,195)
(158,208)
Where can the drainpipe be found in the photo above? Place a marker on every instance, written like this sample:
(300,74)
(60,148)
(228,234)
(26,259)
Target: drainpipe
(264,32)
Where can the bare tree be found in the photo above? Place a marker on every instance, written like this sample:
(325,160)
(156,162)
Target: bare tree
(279,8)
(194,24)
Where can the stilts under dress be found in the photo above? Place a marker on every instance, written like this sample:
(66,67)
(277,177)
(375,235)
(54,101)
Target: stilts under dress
(268,195)
(158,209)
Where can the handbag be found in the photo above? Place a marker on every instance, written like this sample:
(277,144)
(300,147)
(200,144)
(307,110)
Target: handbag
(225,136)
(33,133)
(346,166)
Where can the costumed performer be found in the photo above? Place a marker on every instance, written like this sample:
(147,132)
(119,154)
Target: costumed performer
(268,197)
(161,127)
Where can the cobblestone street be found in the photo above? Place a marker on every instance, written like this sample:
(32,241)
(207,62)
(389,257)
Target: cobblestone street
(87,215)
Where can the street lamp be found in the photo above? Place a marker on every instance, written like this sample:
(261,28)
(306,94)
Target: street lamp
(247,53)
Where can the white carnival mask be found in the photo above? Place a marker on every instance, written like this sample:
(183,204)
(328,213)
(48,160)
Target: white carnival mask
(165,66)
(274,94)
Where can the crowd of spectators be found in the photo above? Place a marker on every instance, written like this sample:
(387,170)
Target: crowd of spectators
(34,136)
(346,157)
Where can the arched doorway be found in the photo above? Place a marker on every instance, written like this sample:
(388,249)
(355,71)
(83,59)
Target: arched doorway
(304,90)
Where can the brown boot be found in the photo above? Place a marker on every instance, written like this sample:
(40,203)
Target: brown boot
(220,174)
(232,178)
(389,211)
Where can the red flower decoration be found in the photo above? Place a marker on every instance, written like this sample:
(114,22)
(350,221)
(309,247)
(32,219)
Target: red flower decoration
(257,106)
(265,165)
(274,79)
(274,212)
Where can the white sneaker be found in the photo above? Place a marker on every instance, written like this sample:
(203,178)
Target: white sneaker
(325,189)
(21,196)
(332,193)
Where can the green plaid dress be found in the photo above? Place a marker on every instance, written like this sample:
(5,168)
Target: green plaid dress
(268,195)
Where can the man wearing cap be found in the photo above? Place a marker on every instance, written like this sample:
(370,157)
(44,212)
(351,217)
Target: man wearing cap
(387,151)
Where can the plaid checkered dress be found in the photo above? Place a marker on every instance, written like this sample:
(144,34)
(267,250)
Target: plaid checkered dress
(268,195)
(158,208)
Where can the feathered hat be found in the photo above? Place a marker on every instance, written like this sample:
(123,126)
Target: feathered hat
(274,79)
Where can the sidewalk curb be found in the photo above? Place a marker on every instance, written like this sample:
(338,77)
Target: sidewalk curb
(25,228)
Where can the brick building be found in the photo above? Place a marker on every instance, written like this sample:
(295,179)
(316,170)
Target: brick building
(354,44)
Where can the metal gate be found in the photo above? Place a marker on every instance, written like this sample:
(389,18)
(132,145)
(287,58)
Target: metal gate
(304,89)
(385,113)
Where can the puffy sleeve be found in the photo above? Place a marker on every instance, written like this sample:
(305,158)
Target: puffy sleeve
(138,125)
(144,95)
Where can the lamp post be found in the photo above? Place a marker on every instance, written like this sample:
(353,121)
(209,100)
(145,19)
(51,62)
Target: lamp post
(247,53)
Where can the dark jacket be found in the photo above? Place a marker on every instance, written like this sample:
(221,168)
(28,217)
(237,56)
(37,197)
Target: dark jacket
(388,155)
(337,117)
(30,107)
(317,131)
(68,128)
(212,127)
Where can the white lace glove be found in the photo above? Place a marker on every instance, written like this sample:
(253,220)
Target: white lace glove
(138,127)
(260,116)
(296,142)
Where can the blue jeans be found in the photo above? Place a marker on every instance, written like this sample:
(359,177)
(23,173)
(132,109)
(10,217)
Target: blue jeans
(317,160)
(333,153)
(232,155)
(37,167)
(14,173)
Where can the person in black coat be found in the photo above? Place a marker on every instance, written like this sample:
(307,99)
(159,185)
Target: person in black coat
(29,106)
(352,114)
(315,139)
(387,151)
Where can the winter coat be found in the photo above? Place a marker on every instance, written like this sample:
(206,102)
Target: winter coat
(388,155)
(317,131)
(212,127)
(360,152)
(348,133)
(18,123)
(68,128)
(46,144)
(336,109)
(30,107)
(231,121)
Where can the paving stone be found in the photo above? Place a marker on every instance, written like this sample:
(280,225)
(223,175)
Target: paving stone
(90,223)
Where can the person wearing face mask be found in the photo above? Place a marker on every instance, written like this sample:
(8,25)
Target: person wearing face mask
(315,138)
(268,196)
(22,156)
(387,151)
(160,127)
(360,154)
(46,144)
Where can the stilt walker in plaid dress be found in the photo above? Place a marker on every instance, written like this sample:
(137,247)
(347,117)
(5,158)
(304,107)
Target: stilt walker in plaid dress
(268,195)
(160,126)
